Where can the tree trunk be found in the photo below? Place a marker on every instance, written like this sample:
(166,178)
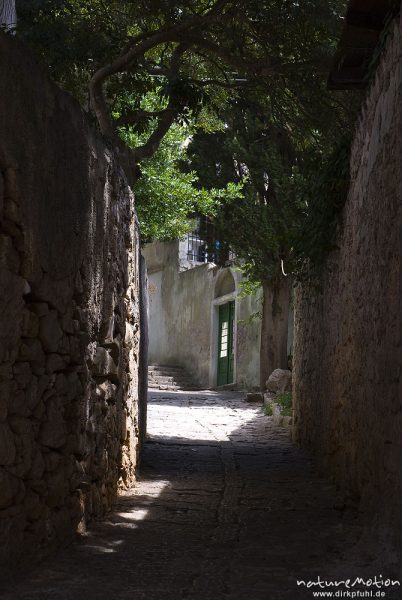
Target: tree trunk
(8,14)
(274,327)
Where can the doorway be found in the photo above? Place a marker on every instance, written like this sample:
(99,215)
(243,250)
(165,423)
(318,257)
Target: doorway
(226,343)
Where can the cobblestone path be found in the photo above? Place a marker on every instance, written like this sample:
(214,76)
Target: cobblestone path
(226,508)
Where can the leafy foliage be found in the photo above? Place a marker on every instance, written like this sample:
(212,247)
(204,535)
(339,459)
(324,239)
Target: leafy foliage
(244,79)
(295,179)
(166,195)
(196,52)
(285,402)
(267,408)
(323,191)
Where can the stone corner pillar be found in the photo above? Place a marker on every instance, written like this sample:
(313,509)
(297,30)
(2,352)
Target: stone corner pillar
(143,358)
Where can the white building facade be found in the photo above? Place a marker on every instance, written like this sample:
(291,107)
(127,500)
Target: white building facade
(198,319)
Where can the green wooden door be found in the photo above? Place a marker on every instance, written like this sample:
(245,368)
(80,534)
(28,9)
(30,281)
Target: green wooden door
(225,343)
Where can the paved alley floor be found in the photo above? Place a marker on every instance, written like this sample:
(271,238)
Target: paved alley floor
(226,508)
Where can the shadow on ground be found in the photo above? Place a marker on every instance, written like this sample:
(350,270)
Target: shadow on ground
(226,508)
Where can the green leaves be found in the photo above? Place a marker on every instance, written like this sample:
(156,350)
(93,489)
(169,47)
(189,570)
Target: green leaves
(293,194)
(166,194)
(323,191)
(231,113)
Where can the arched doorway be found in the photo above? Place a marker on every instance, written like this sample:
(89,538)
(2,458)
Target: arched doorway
(224,330)
(226,343)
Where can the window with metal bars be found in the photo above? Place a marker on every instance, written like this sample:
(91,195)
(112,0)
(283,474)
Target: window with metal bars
(203,247)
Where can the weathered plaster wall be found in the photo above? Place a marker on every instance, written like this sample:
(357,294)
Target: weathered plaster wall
(68,314)
(182,318)
(248,342)
(348,346)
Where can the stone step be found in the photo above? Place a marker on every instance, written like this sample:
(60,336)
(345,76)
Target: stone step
(171,367)
(171,388)
(184,385)
(181,380)
(169,378)
(166,371)
(161,378)
(167,388)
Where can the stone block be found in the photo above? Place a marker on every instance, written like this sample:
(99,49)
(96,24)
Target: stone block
(37,465)
(67,323)
(2,198)
(280,380)
(39,411)
(8,489)
(7,445)
(32,351)
(25,452)
(39,308)
(22,374)
(57,485)
(6,390)
(3,409)
(103,364)
(33,393)
(53,433)
(11,184)
(56,292)
(18,405)
(255,397)
(107,391)
(74,386)
(6,371)
(287,422)
(33,505)
(64,345)
(55,362)
(9,257)
(50,332)
(21,425)
(268,397)
(43,384)
(30,324)
(14,231)
(12,211)
(11,308)
(60,385)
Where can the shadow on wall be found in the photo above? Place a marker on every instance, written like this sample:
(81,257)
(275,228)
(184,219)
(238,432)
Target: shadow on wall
(348,359)
(240,513)
(69,315)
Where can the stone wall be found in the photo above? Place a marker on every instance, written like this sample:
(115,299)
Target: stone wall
(69,314)
(348,347)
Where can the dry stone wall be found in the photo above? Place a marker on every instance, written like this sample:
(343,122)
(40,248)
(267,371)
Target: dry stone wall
(348,343)
(69,314)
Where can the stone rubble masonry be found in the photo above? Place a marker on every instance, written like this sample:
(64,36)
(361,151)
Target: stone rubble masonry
(280,380)
(348,346)
(69,315)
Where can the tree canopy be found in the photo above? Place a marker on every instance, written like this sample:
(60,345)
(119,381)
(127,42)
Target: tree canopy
(238,85)
(192,52)
(294,170)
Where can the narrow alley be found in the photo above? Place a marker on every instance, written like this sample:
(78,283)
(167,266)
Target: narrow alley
(226,508)
(195,197)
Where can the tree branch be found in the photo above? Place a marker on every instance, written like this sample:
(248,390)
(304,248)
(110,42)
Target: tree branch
(236,83)
(133,52)
(154,141)
(132,117)
(262,66)
(167,116)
